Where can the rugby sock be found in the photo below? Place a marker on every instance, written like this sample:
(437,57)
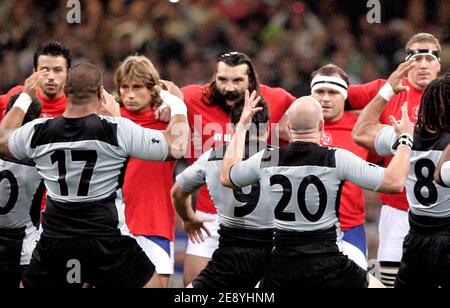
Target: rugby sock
(388,271)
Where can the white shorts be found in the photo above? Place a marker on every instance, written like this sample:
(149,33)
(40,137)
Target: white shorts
(354,254)
(160,251)
(393,228)
(211,243)
(29,243)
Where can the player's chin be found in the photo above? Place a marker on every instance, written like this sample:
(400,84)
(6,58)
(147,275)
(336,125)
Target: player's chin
(230,102)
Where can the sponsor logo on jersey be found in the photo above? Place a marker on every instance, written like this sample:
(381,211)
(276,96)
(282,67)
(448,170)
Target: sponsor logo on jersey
(327,139)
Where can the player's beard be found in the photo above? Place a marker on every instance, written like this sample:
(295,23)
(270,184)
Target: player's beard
(220,99)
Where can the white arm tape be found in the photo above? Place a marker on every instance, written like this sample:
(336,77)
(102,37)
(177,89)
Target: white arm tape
(176,105)
(386,92)
(23,102)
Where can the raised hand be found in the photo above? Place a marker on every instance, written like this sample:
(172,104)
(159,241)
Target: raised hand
(32,83)
(109,106)
(403,126)
(396,78)
(249,109)
(171,87)
(194,227)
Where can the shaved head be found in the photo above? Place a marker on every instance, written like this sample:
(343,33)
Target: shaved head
(83,83)
(305,116)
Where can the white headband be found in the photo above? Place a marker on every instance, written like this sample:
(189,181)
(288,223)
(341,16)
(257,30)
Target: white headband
(334,83)
(422,52)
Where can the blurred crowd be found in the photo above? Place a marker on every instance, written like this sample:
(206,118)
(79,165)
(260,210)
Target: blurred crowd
(286,39)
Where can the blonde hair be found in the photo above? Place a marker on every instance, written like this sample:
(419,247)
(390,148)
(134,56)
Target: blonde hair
(423,38)
(137,68)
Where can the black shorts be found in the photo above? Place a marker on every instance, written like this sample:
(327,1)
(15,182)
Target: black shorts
(116,262)
(425,261)
(235,267)
(11,271)
(10,276)
(327,270)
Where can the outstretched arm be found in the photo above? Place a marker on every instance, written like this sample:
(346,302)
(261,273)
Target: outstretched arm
(192,223)
(372,177)
(368,124)
(396,173)
(442,173)
(177,133)
(14,118)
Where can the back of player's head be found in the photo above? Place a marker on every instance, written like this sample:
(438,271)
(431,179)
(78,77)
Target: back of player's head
(305,115)
(34,111)
(84,82)
(52,49)
(259,121)
(434,112)
(238,58)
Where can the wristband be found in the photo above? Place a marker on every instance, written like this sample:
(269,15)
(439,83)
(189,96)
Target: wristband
(23,102)
(386,92)
(163,106)
(404,139)
(176,105)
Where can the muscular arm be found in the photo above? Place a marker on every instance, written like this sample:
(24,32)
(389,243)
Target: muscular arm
(182,202)
(394,176)
(177,136)
(368,124)
(12,120)
(442,173)
(187,182)
(177,133)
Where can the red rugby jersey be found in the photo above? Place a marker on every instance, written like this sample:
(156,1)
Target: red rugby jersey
(339,134)
(360,95)
(213,124)
(146,188)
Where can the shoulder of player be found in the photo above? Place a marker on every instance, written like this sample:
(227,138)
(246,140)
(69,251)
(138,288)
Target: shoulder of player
(273,92)
(194,90)
(371,85)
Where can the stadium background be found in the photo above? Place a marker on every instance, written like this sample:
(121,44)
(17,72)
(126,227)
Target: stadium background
(286,39)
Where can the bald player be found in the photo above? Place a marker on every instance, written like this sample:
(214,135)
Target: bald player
(81,157)
(304,182)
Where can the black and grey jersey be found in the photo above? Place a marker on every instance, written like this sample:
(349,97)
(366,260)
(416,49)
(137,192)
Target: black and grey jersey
(304,182)
(21,193)
(82,162)
(243,208)
(425,197)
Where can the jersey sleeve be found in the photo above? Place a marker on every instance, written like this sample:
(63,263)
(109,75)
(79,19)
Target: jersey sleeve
(359,171)
(359,96)
(143,143)
(247,172)
(194,176)
(445,173)
(384,141)
(288,99)
(20,139)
